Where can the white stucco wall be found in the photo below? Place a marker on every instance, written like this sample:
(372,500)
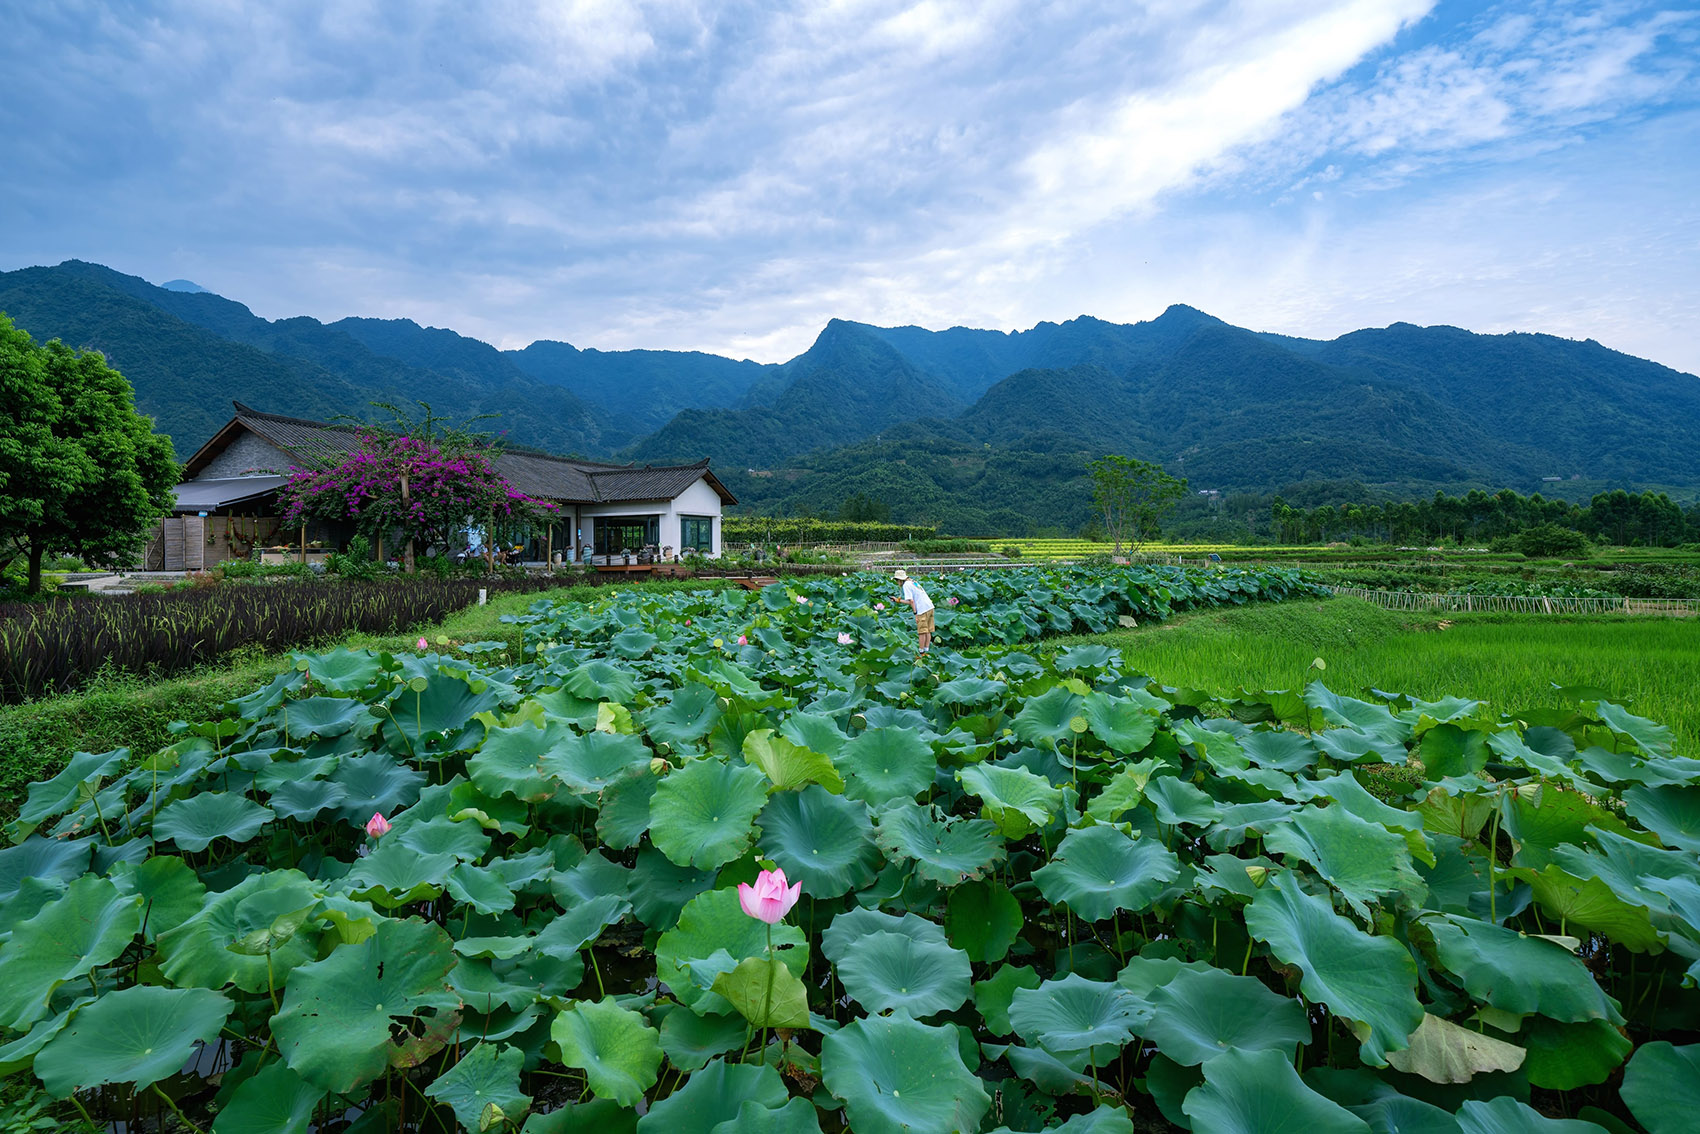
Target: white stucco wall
(697,500)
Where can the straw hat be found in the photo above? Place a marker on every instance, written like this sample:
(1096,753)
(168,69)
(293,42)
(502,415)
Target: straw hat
(901,575)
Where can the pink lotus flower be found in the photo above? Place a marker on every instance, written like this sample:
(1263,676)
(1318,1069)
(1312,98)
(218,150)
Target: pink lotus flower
(377,824)
(768,900)
(844,639)
(743,641)
(879,606)
(687,622)
(952,600)
(801,599)
(423,644)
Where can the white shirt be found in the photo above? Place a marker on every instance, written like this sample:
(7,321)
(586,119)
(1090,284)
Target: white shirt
(913,593)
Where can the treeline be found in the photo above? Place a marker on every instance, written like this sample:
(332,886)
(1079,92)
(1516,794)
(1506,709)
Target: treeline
(1620,518)
(809,529)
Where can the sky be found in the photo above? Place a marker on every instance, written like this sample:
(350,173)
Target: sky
(727,176)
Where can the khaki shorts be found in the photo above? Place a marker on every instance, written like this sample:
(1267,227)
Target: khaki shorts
(924,623)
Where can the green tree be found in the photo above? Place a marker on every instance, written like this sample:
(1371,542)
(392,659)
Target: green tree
(81,472)
(1132,497)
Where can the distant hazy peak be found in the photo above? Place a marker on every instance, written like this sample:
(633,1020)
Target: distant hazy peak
(182,285)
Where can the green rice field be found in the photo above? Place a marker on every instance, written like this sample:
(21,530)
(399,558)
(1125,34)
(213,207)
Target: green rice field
(1513,662)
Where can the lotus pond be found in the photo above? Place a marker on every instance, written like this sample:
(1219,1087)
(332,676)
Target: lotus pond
(1035,892)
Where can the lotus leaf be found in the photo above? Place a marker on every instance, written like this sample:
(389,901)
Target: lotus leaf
(1074,1015)
(1505,1115)
(1592,904)
(849,927)
(395,875)
(624,815)
(581,925)
(376,783)
(1014,799)
(1104,1120)
(169,888)
(1360,859)
(1661,1087)
(1176,801)
(137,1035)
(1518,973)
(886,764)
(969,691)
(77,780)
(1442,1052)
(442,835)
(52,861)
(703,814)
(715,1095)
(711,922)
(992,997)
(84,928)
(789,766)
(507,763)
(481,889)
(1565,1056)
(275,1100)
(889,970)
(765,993)
(1672,813)
(340,670)
(594,761)
(984,919)
(822,840)
(1048,717)
(690,1040)
(1098,870)
(1198,1013)
(896,1075)
(686,718)
(618,1052)
(322,716)
(660,888)
(945,849)
(335,1026)
(195,822)
(1278,749)
(1368,981)
(305,800)
(1258,1092)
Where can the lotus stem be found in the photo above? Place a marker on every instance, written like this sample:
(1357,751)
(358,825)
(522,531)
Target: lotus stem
(767,1004)
(78,1103)
(174,1110)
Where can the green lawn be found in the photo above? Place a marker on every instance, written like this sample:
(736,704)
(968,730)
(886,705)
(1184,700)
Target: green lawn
(1510,661)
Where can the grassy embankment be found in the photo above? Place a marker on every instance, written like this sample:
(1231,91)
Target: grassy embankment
(1512,662)
(127,711)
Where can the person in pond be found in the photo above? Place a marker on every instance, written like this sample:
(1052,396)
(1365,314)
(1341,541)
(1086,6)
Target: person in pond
(916,599)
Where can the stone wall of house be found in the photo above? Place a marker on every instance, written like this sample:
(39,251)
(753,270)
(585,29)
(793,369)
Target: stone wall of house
(247,455)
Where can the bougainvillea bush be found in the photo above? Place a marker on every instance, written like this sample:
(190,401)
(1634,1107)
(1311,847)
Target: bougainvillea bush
(700,864)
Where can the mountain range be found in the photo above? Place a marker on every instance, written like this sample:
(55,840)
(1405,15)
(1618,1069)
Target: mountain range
(983,431)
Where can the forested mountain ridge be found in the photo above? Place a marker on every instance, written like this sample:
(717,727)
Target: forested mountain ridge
(991,426)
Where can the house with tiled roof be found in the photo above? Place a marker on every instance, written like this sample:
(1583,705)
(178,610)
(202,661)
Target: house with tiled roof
(227,503)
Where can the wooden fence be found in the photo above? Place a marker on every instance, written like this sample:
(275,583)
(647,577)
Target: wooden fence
(1521,604)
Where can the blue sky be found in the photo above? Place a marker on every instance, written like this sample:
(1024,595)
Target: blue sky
(728,176)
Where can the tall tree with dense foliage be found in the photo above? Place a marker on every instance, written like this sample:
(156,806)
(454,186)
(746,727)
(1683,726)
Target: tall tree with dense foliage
(1132,496)
(81,472)
(421,480)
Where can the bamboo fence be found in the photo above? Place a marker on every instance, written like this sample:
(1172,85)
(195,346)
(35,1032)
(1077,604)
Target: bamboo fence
(1521,604)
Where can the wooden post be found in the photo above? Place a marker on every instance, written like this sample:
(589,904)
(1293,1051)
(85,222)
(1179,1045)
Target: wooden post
(380,547)
(549,547)
(303,541)
(407,552)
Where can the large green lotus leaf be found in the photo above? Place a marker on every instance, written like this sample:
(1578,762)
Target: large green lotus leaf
(1592,904)
(893,970)
(1124,791)
(51,861)
(983,920)
(714,1095)
(1348,711)
(376,784)
(1123,726)
(1349,792)
(822,840)
(193,823)
(274,1101)
(1075,1014)
(1672,813)
(1368,981)
(1014,799)
(464,840)
(703,814)
(77,780)
(1448,750)
(395,875)
(1443,1052)
(685,719)
(1563,1057)
(198,952)
(592,1116)
(1278,749)
(1546,818)
(993,997)
(1175,801)
(326,717)
(1661,1087)
(507,763)
(136,1035)
(886,764)
(814,731)
(1098,870)
(169,889)
(1361,860)
(624,814)
(798,1116)
(765,993)
(1654,739)
(87,926)
(690,1040)
(660,888)
(1048,717)
(1518,973)
(1505,1115)
(335,1026)
(340,670)
(1093,655)
(1197,1014)
(602,681)
(581,925)
(1350,745)
(715,921)
(897,1076)
(305,800)
(594,761)
(633,644)
(789,766)
(969,691)
(1258,1092)
(945,849)
(447,704)
(485,1076)
(618,1053)
(840,938)
(1104,1120)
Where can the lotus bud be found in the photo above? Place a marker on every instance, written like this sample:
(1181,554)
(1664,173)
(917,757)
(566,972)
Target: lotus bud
(769,899)
(377,825)
(423,644)
(658,766)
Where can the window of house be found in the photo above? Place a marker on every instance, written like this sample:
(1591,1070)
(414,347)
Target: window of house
(615,534)
(696,533)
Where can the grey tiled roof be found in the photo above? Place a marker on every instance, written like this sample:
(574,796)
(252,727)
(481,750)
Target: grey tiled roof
(535,474)
(206,495)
